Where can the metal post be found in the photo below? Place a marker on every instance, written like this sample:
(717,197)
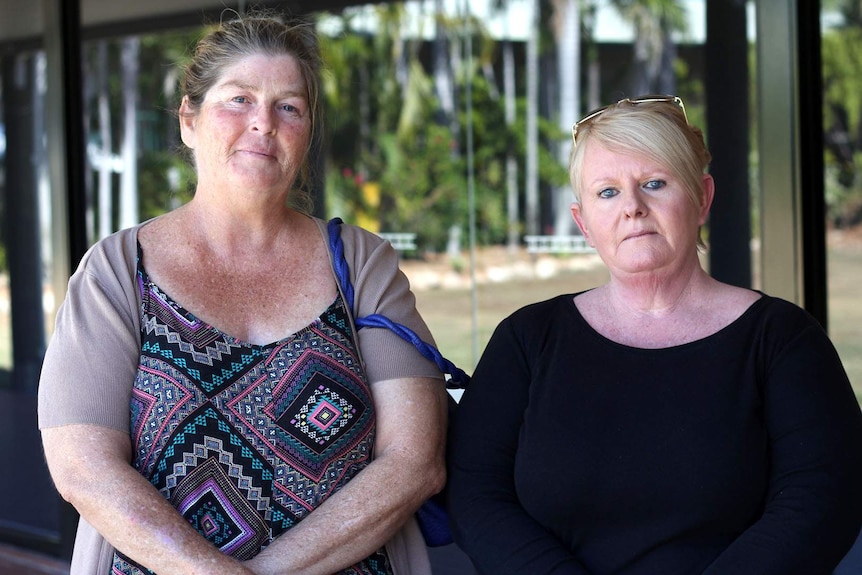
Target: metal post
(727,120)
(23,111)
(66,162)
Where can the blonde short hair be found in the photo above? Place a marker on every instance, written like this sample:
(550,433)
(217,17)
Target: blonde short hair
(658,131)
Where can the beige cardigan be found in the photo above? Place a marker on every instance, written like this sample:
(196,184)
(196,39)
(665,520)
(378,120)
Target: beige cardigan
(92,358)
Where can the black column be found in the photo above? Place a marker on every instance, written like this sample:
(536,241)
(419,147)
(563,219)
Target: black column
(727,120)
(73,104)
(811,169)
(65,84)
(21,226)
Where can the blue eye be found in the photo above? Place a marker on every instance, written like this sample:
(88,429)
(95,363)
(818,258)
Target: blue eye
(607,193)
(655,184)
(239,99)
(291,110)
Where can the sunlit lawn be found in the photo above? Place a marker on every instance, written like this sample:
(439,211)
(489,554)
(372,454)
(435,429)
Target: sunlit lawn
(845,309)
(449,313)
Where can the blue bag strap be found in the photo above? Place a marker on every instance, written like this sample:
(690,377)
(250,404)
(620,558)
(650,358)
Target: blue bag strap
(458,379)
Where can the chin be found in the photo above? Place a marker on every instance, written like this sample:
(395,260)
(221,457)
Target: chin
(640,265)
(260,181)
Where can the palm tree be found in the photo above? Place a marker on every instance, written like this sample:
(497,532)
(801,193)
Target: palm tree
(444,80)
(842,112)
(568,33)
(513,217)
(129,177)
(654,49)
(588,17)
(532,130)
(105,141)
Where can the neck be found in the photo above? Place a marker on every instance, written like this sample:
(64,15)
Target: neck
(655,294)
(246,201)
(234,229)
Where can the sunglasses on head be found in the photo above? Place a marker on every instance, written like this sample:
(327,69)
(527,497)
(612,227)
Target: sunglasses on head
(675,100)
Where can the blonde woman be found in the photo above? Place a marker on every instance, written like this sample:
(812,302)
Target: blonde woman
(664,422)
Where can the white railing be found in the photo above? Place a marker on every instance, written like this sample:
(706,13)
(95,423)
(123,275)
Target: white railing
(400,241)
(557,245)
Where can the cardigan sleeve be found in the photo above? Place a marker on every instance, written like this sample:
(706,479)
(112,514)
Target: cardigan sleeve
(92,356)
(380,287)
(813,507)
(488,520)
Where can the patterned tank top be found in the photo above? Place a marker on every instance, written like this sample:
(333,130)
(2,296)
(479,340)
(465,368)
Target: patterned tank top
(246,440)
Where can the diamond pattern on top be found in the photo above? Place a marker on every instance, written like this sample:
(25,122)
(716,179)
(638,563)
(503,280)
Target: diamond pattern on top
(214,505)
(280,425)
(161,399)
(247,440)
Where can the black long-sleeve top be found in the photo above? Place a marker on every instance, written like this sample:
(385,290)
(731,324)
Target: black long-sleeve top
(740,453)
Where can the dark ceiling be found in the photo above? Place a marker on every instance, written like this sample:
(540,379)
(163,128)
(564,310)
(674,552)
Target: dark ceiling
(23,23)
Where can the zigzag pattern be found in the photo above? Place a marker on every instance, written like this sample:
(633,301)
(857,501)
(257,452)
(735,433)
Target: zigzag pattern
(246,440)
(198,453)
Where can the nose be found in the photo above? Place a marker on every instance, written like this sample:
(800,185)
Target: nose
(634,205)
(264,120)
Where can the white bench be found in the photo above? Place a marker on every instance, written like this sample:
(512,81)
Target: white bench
(400,241)
(557,245)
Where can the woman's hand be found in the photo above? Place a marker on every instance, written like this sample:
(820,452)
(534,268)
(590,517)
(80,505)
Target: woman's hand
(360,518)
(90,468)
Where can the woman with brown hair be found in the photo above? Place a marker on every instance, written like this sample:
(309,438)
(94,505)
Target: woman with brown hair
(206,403)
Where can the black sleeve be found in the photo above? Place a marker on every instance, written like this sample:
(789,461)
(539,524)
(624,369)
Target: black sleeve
(488,521)
(813,507)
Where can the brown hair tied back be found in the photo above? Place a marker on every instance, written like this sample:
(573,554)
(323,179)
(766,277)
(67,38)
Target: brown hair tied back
(259,32)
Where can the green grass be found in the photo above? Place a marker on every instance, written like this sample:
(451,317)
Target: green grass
(449,315)
(845,309)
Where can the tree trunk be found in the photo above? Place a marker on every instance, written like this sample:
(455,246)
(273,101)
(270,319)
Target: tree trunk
(105,166)
(532,136)
(512,208)
(444,83)
(129,213)
(569,74)
(666,74)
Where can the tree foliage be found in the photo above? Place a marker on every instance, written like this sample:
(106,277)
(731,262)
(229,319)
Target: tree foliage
(842,94)
(398,164)
(395,154)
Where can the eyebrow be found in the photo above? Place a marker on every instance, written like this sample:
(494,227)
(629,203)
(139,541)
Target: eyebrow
(253,87)
(237,84)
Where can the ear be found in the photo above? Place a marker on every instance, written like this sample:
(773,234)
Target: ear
(706,200)
(578,216)
(187,124)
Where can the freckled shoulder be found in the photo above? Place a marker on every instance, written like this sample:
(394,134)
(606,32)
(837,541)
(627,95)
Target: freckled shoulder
(166,230)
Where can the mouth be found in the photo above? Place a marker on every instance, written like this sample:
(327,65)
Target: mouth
(640,234)
(257,153)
